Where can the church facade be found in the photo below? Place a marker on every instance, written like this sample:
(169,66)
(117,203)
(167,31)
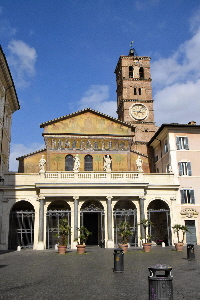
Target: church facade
(95,171)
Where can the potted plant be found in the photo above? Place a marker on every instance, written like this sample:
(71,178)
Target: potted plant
(147,238)
(83,236)
(64,230)
(125,231)
(177,228)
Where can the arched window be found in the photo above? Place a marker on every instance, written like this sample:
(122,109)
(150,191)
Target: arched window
(140,91)
(135,91)
(69,163)
(130,72)
(88,163)
(141,72)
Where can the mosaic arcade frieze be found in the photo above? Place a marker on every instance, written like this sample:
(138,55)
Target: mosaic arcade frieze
(88,144)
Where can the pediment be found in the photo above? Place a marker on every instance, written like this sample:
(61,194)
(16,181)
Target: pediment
(87,122)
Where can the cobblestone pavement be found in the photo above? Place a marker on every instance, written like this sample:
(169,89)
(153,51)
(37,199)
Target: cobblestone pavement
(30,274)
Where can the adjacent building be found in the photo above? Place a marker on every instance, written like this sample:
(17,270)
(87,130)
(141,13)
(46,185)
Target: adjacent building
(8,105)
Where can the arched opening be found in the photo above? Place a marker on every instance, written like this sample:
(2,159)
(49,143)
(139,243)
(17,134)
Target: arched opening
(57,210)
(159,214)
(141,73)
(92,217)
(88,163)
(125,211)
(130,72)
(21,227)
(69,162)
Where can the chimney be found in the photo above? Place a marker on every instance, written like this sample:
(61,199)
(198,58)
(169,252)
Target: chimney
(192,123)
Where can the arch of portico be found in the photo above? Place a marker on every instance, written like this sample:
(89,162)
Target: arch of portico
(21,225)
(158,211)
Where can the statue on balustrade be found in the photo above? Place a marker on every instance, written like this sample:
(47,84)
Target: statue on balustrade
(107,163)
(139,162)
(42,163)
(76,163)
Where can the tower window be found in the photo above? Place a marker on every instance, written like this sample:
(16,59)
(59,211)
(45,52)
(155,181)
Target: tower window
(69,163)
(135,91)
(140,91)
(130,72)
(88,163)
(141,72)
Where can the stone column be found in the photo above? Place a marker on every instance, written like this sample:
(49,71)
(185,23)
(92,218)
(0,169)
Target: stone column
(75,217)
(41,245)
(142,215)
(110,243)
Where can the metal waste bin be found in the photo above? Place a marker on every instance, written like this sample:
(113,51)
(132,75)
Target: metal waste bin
(190,252)
(160,284)
(118,260)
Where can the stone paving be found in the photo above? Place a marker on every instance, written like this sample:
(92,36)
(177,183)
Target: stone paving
(30,274)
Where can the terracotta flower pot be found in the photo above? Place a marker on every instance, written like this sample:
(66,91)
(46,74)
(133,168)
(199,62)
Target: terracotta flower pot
(179,246)
(62,249)
(81,249)
(146,247)
(124,247)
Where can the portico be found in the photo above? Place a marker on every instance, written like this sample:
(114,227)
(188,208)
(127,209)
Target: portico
(56,195)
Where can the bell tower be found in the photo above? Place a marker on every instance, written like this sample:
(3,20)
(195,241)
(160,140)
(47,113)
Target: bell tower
(134,94)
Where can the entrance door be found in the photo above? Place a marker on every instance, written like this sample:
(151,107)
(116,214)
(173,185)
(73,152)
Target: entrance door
(92,217)
(90,221)
(191,235)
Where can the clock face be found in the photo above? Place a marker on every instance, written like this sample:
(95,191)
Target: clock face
(138,111)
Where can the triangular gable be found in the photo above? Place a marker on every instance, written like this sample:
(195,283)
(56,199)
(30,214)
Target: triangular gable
(87,121)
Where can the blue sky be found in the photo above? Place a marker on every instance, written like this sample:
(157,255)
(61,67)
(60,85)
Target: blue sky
(62,55)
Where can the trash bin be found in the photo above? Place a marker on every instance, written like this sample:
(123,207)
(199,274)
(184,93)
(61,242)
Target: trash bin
(190,252)
(160,284)
(118,260)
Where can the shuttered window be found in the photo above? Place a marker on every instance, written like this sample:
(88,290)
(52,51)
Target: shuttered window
(187,196)
(182,143)
(185,168)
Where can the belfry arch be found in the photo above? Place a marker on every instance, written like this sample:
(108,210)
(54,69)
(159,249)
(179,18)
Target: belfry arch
(21,225)
(57,210)
(125,211)
(159,213)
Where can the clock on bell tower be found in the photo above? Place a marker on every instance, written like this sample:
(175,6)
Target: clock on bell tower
(134,94)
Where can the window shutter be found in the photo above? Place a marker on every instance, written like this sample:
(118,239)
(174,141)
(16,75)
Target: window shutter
(177,143)
(192,196)
(189,169)
(186,146)
(182,197)
(180,169)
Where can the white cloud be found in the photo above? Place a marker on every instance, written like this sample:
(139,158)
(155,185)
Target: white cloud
(22,61)
(176,83)
(96,97)
(18,150)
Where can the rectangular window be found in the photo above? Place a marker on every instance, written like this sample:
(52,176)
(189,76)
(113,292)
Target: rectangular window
(182,143)
(187,196)
(185,168)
